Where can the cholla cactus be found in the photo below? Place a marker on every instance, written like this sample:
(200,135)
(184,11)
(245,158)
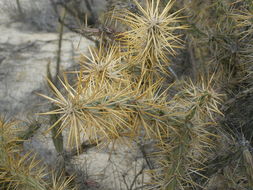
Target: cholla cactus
(97,113)
(104,66)
(121,93)
(105,79)
(19,171)
(151,34)
(151,38)
(119,90)
(188,137)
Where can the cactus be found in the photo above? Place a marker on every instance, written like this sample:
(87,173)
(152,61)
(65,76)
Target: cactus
(19,170)
(124,90)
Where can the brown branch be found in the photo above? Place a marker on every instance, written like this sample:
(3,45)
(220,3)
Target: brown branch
(136,176)
(83,148)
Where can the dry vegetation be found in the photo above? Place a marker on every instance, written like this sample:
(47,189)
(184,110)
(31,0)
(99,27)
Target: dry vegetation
(177,73)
